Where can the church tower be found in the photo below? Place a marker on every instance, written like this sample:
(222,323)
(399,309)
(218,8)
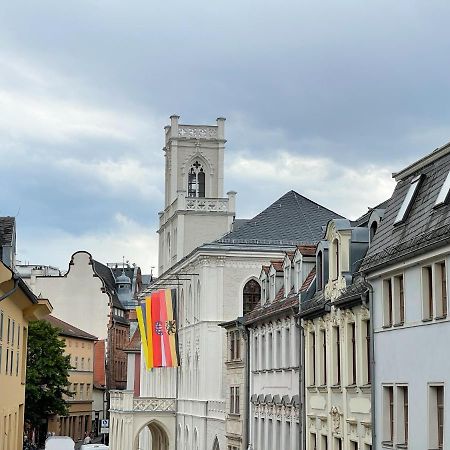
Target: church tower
(195,210)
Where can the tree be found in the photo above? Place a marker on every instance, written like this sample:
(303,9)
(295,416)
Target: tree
(47,373)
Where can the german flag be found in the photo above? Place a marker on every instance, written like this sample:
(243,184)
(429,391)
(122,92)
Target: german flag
(158,327)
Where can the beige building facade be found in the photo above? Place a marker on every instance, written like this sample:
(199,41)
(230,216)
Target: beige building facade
(337,341)
(18,306)
(80,348)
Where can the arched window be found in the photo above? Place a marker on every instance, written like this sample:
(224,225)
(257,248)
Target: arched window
(319,267)
(196,180)
(251,296)
(336,258)
(373,230)
(216,445)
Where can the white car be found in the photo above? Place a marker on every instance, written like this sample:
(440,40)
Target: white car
(59,443)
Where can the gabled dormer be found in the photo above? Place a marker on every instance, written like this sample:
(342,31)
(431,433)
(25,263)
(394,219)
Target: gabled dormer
(322,265)
(276,278)
(347,245)
(303,262)
(264,281)
(288,266)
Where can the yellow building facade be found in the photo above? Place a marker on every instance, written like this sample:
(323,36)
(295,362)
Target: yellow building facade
(80,348)
(18,306)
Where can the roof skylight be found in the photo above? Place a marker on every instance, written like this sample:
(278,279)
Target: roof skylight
(408,201)
(443,196)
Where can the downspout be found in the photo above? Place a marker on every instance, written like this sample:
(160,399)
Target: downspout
(302,388)
(247,387)
(372,362)
(14,289)
(298,326)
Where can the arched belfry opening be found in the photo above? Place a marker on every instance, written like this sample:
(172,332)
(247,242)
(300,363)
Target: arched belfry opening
(196,180)
(251,296)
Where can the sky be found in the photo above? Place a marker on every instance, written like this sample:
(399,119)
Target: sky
(326,98)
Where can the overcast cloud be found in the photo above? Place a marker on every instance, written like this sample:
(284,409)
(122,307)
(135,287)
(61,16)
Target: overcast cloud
(326,98)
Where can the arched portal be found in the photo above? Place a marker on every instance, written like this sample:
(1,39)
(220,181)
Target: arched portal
(152,436)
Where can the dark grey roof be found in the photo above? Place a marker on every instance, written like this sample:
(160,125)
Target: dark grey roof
(292,219)
(360,221)
(315,306)
(7,230)
(105,273)
(353,292)
(424,228)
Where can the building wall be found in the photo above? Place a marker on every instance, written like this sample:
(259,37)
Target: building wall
(74,294)
(81,378)
(411,355)
(274,372)
(337,410)
(12,377)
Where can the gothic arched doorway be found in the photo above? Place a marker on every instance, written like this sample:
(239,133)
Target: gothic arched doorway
(152,437)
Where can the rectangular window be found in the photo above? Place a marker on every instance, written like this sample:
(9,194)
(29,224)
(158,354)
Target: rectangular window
(324,442)
(337,444)
(324,357)
(9,330)
(388,414)
(1,325)
(18,336)
(353,356)
(76,362)
(234,400)
(313,441)
(402,415)
(337,356)
(387,300)
(367,355)
(427,292)
(82,363)
(24,355)
(312,358)
(7,361)
(436,417)
(443,196)
(13,332)
(353,445)
(399,300)
(441,289)
(278,351)
(408,201)
(270,351)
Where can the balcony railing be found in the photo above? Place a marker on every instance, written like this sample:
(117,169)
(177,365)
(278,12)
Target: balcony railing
(125,401)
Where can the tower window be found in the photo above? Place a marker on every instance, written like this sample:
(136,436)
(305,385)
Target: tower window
(196,180)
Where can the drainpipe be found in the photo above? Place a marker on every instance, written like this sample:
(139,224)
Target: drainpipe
(302,385)
(372,363)
(16,285)
(247,386)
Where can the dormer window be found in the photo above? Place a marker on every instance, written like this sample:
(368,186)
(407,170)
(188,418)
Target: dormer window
(336,258)
(373,230)
(319,271)
(444,194)
(298,281)
(196,180)
(408,201)
(287,279)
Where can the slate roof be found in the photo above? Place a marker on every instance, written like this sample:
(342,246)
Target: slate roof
(292,219)
(66,329)
(361,221)
(7,230)
(105,273)
(353,292)
(425,227)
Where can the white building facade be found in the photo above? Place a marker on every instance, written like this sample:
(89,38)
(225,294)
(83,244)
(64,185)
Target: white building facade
(210,258)
(408,268)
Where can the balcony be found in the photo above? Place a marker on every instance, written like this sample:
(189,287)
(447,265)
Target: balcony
(124,401)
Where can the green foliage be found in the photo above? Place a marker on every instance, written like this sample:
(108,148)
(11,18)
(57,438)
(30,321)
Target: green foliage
(47,373)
